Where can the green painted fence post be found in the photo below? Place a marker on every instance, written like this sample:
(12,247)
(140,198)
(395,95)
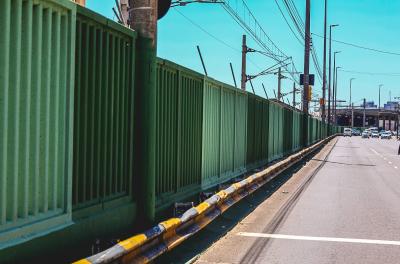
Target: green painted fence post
(143,19)
(145,127)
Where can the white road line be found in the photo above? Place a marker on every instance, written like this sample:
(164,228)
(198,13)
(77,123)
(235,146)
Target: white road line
(395,167)
(323,239)
(373,150)
(390,162)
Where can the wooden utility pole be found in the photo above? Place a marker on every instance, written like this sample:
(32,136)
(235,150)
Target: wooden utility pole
(244,53)
(143,19)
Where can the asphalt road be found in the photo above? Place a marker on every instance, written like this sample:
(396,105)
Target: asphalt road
(347,212)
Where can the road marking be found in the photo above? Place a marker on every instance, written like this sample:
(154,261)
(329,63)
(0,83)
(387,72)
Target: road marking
(395,167)
(390,162)
(373,150)
(323,239)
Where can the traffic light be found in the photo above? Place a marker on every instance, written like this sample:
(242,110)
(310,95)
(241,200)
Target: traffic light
(309,93)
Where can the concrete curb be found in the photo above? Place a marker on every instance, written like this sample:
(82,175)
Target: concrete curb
(145,247)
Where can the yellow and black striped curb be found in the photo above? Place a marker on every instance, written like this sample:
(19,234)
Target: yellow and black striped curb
(147,246)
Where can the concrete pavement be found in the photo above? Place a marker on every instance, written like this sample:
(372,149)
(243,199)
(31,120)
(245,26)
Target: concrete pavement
(343,207)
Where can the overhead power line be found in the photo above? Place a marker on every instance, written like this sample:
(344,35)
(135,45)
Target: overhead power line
(243,16)
(393,74)
(215,37)
(361,47)
(300,35)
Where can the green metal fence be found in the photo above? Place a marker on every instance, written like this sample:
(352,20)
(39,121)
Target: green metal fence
(257,131)
(178,131)
(67,137)
(103,116)
(36,69)
(224,132)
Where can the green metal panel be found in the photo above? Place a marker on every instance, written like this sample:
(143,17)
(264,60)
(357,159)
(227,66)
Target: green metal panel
(36,44)
(179,110)
(240,143)
(224,132)
(271,130)
(257,131)
(104,96)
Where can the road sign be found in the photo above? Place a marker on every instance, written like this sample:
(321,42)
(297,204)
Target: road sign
(311,79)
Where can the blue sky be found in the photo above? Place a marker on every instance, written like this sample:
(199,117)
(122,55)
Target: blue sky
(371,23)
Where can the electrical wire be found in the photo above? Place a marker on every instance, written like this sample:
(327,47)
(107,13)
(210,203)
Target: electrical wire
(393,74)
(360,47)
(215,38)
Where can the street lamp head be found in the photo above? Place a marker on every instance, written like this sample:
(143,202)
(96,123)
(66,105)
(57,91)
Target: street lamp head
(334,25)
(336,52)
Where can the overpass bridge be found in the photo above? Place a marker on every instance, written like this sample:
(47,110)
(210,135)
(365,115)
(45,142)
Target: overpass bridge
(374,117)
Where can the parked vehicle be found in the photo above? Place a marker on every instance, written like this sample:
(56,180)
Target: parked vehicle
(365,134)
(375,134)
(356,132)
(386,135)
(347,132)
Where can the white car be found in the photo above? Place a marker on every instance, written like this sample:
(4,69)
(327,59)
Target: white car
(347,132)
(375,134)
(386,135)
(365,134)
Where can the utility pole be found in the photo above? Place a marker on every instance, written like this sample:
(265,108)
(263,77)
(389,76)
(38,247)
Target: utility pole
(294,94)
(124,6)
(306,73)
(279,84)
(306,59)
(143,19)
(324,70)
(244,53)
(379,106)
(364,105)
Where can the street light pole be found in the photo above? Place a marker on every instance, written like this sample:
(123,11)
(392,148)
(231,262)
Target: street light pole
(335,98)
(379,104)
(351,80)
(334,84)
(330,71)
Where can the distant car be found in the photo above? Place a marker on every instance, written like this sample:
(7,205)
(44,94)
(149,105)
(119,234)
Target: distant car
(386,135)
(347,132)
(375,134)
(365,134)
(356,132)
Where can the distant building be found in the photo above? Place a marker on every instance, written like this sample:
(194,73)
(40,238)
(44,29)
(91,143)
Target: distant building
(370,104)
(392,106)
